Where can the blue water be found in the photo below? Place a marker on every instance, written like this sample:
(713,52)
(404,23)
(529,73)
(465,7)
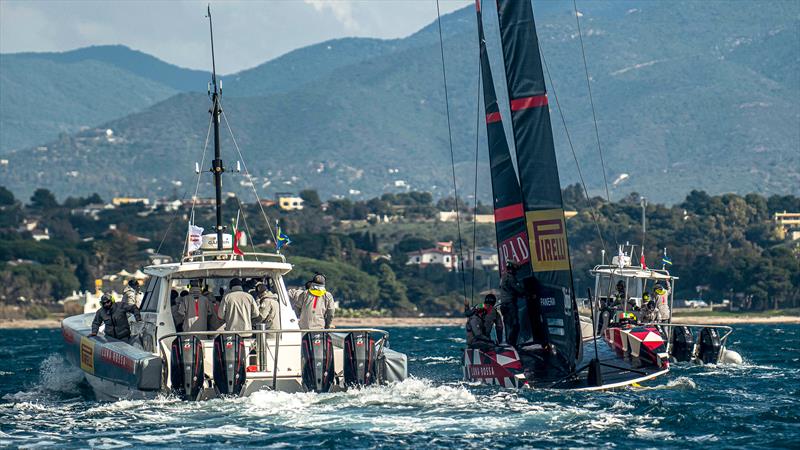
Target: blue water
(44,403)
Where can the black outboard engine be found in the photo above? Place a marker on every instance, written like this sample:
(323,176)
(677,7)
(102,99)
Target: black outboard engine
(229,364)
(682,344)
(359,359)
(186,367)
(710,346)
(317,362)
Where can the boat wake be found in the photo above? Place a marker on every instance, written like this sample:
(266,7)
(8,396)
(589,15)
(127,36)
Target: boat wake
(57,379)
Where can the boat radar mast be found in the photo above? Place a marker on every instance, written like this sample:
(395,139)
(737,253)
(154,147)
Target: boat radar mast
(217,168)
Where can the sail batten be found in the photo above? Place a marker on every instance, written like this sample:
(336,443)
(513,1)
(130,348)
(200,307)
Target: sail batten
(550,310)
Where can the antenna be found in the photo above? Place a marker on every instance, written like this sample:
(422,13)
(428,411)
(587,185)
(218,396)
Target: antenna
(217,168)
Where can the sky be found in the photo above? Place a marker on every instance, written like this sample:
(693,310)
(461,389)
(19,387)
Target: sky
(246,32)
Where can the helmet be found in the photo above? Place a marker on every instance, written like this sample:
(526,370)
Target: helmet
(659,289)
(512,264)
(490,299)
(133,283)
(106,299)
(261,287)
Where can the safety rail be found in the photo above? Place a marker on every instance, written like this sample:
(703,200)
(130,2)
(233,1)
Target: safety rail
(228,255)
(273,333)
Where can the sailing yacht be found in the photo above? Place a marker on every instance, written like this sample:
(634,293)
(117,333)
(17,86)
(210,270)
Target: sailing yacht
(552,351)
(199,365)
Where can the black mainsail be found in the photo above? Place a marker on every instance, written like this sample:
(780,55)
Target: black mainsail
(551,309)
(509,216)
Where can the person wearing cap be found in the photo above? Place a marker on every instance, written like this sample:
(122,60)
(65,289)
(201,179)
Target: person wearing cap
(194,309)
(238,308)
(130,294)
(314,304)
(115,318)
(510,290)
(661,296)
(267,307)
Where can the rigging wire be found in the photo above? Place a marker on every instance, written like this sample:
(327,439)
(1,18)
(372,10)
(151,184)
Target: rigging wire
(246,226)
(249,177)
(475,192)
(594,114)
(572,148)
(452,154)
(197,185)
(171,222)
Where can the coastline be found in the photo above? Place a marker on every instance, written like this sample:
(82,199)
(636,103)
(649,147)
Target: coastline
(393,322)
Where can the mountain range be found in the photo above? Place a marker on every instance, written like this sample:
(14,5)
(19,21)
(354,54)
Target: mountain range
(688,95)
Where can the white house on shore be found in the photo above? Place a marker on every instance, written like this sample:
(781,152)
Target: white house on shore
(442,254)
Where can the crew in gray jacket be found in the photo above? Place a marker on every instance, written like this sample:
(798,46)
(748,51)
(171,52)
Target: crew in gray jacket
(238,308)
(314,305)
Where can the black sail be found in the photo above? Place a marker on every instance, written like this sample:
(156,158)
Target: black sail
(551,309)
(509,215)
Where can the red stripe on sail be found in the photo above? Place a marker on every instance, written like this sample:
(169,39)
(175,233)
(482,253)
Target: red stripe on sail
(508,212)
(528,102)
(493,117)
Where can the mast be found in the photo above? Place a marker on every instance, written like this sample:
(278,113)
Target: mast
(551,308)
(217,168)
(512,238)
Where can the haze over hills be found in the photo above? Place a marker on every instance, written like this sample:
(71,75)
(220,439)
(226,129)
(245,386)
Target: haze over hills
(681,105)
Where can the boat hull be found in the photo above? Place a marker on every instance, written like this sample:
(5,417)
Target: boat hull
(506,367)
(643,344)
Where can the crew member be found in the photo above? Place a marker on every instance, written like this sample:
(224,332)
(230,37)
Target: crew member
(314,304)
(130,294)
(662,302)
(194,309)
(477,337)
(175,307)
(267,307)
(510,290)
(214,321)
(238,308)
(619,296)
(115,317)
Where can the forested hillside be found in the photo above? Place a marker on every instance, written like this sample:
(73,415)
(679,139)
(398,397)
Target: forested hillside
(724,245)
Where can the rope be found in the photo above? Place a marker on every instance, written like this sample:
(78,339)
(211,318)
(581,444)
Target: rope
(475,193)
(197,185)
(594,115)
(572,148)
(452,154)
(249,177)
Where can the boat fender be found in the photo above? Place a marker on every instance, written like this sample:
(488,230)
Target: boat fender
(682,344)
(710,346)
(229,364)
(731,357)
(359,359)
(186,367)
(317,359)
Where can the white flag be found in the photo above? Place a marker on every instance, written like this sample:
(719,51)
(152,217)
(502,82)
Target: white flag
(195,238)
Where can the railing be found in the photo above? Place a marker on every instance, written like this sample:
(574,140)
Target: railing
(228,255)
(261,341)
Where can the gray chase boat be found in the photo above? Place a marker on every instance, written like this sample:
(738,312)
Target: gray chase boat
(213,363)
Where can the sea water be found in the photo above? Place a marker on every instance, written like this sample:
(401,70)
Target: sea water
(45,403)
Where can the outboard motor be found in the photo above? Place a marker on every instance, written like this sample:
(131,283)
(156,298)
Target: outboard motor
(682,344)
(186,367)
(710,346)
(229,364)
(317,362)
(359,359)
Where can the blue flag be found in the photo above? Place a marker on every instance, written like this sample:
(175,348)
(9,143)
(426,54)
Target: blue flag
(282,240)
(666,260)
